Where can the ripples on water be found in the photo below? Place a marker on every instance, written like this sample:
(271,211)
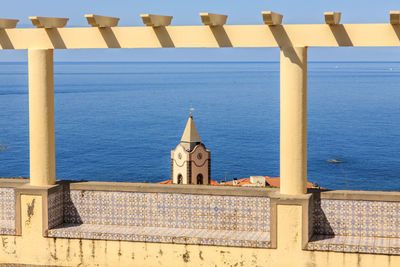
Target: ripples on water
(119,121)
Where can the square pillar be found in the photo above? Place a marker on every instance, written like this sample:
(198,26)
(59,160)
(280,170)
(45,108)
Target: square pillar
(293,124)
(41,117)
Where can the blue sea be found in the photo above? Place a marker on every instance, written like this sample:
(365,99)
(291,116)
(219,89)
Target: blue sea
(119,121)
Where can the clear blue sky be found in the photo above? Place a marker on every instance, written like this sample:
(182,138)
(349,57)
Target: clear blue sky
(187,13)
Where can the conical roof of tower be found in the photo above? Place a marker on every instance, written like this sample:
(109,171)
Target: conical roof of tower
(190,135)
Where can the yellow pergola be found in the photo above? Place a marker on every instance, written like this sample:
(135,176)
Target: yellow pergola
(104,32)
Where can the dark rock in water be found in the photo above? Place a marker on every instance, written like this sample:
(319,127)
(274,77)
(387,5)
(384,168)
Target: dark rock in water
(334,161)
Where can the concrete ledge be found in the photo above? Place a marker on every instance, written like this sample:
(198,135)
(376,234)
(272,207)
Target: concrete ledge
(13,182)
(23,185)
(163,235)
(36,190)
(361,195)
(355,244)
(173,188)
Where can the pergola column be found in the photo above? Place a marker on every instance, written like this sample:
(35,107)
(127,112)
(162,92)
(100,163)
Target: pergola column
(41,117)
(293,128)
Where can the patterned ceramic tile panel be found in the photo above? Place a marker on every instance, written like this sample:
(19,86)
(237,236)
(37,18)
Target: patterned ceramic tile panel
(381,245)
(356,226)
(311,219)
(7,211)
(164,235)
(55,205)
(336,217)
(356,218)
(167,212)
(319,242)
(351,244)
(373,245)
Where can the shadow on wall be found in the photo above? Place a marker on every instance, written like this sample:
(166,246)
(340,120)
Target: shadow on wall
(322,229)
(71,214)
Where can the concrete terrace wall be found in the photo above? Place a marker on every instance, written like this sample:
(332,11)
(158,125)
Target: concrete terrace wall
(121,224)
(132,224)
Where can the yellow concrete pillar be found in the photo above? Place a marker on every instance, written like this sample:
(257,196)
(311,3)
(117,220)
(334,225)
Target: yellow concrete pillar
(41,117)
(293,136)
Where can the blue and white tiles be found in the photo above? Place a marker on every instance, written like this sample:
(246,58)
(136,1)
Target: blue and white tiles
(55,205)
(7,211)
(163,235)
(179,218)
(356,226)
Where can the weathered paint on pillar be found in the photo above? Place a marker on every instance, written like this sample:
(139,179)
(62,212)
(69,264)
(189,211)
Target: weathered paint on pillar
(293,136)
(41,117)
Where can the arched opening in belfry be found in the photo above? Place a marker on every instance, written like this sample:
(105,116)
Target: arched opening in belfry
(200,178)
(180,179)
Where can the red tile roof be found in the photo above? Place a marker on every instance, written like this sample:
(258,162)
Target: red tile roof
(271,181)
(170,182)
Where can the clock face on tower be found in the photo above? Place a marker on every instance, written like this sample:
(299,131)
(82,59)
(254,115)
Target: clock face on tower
(200,157)
(179,157)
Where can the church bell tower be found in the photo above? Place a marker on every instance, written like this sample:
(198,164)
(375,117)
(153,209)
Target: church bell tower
(190,161)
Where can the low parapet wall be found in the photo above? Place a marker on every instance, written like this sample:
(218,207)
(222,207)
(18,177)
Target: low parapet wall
(169,215)
(351,221)
(133,224)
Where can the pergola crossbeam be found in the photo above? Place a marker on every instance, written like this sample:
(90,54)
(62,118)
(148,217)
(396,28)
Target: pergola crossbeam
(8,23)
(395,17)
(211,19)
(272,18)
(101,21)
(332,18)
(48,22)
(156,20)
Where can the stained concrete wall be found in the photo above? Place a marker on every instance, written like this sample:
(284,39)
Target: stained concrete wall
(32,246)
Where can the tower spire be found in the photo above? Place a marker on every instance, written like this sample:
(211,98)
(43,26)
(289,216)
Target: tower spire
(190,137)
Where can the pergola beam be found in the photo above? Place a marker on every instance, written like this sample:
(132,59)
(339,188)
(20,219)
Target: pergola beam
(272,18)
(101,21)
(395,17)
(211,19)
(48,22)
(332,18)
(156,20)
(8,23)
(311,35)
